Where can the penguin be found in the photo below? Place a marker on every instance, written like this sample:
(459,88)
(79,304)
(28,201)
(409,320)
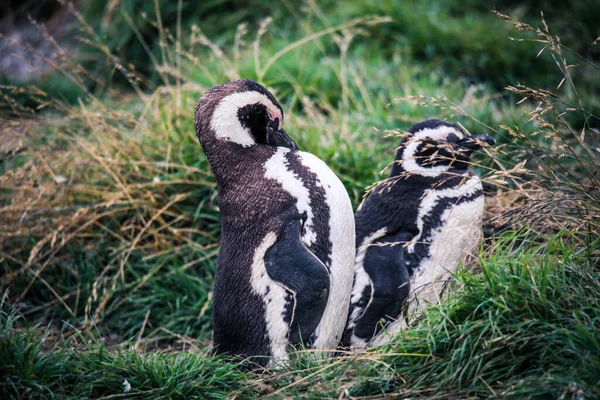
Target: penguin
(285,265)
(414,228)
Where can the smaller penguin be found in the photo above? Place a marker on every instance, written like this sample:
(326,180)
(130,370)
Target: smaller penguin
(414,228)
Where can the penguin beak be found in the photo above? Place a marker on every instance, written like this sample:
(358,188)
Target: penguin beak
(476,142)
(277,136)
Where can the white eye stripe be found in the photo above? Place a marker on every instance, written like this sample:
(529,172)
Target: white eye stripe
(410,163)
(439,133)
(225,123)
(411,150)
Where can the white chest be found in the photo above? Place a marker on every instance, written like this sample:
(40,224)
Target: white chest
(459,234)
(449,223)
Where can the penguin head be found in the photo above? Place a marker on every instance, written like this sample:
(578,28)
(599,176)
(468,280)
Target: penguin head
(241,112)
(434,146)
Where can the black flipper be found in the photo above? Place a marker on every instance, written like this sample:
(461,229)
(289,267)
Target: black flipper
(387,270)
(292,264)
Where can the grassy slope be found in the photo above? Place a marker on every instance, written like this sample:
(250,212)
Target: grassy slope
(527,326)
(124,253)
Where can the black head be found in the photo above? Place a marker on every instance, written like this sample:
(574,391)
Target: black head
(434,146)
(242,112)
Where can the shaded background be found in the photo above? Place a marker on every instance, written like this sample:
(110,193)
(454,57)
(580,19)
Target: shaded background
(462,39)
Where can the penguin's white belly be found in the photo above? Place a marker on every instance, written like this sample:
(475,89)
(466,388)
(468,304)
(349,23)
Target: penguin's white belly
(341,271)
(456,233)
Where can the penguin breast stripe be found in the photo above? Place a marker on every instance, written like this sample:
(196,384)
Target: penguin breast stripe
(361,278)
(431,198)
(276,168)
(273,296)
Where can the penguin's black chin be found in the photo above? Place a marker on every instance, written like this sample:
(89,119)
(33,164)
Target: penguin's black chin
(278,136)
(474,143)
(463,149)
(462,159)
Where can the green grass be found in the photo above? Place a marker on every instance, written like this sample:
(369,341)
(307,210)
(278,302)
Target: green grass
(111,226)
(83,368)
(525,327)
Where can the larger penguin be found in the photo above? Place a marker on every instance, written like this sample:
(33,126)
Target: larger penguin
(415,227)
(285,265)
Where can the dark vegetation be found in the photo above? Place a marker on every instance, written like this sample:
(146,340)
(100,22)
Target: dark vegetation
(108,220)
